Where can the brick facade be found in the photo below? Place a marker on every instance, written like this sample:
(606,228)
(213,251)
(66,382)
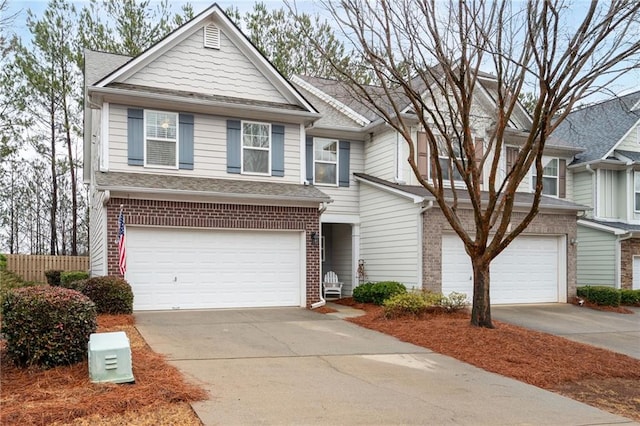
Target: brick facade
(435,225)
(628,249)
(218,216)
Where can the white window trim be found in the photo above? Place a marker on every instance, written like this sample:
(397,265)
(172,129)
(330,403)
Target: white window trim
(144,124)
(337,162)
(457,183)
(242,148)
(104,138)
(636,176)
(557,177)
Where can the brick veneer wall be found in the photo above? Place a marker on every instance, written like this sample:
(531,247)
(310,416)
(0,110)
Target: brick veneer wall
(628,249)
(435,224)
(218,216)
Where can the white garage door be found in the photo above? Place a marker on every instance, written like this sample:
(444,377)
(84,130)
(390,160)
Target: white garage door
(528,271)
(196,268)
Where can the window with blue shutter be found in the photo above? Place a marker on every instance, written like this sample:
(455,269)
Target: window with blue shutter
(233,146)
(343,163)
(135,137)
(185,142)
(277,150)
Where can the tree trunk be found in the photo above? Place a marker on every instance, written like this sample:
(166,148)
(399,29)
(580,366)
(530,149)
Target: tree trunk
(481,311)
(53,246)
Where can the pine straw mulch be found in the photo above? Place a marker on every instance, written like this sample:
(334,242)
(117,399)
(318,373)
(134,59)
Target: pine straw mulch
(598,377)
(65,395)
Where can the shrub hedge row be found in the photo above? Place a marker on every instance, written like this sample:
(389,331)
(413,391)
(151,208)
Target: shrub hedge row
(377,292)
(609,296)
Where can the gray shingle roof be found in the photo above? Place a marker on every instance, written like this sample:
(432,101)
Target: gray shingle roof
(99,64)
(522,198)
(146,182)
(597,128)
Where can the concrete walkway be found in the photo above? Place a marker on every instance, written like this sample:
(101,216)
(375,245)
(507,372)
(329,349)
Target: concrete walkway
(294,366)
(616,332)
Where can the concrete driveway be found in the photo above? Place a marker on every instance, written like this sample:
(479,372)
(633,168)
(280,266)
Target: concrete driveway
(616,332)
(294,366)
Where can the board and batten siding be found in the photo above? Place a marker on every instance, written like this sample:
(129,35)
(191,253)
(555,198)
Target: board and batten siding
(389,236)
(596,257)
(380,156)
(190,67)
(209,149)
(98,234)
(345,199)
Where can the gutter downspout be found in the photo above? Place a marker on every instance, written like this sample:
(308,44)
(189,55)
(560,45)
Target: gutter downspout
(322,300)
(421,213)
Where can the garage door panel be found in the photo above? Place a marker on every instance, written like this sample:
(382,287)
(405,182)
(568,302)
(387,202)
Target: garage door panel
(189,269)
(526,272)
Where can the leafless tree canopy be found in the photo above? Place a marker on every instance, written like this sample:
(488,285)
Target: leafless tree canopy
(437,57)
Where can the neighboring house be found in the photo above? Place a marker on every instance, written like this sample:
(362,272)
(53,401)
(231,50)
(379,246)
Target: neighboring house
(389,221)
(200,141)
(607,178)
(242,189)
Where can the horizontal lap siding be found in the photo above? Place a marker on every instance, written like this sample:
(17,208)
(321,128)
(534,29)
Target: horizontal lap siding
(388,236)
(596,257)
(380,156)
(191,67)
(583,189)
(345,199)
(210,149)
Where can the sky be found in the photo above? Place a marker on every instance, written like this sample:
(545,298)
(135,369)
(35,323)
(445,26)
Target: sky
(629,83)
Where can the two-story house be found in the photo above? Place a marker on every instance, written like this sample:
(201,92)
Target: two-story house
(607,178)
(239,188)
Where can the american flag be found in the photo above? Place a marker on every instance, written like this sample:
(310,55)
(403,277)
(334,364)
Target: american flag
(122,251)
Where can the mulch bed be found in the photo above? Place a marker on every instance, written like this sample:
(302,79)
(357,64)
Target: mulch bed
(35,396)
(599,377)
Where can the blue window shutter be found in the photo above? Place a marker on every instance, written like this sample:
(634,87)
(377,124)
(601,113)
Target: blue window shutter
(135,136)
(309,158)
(277,150)
(186,141)
(233,146)
(343,163)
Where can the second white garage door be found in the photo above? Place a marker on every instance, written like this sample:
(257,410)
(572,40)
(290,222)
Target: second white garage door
(530,270)
(195,268)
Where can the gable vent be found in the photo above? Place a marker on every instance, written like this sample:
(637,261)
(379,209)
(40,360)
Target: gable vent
(212,37)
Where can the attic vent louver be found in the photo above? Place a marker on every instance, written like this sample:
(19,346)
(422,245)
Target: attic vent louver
(212,37)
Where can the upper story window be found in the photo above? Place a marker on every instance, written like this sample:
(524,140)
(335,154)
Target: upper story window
(325,161)
(161,139)
(550,176)
(447,165)
(256,148)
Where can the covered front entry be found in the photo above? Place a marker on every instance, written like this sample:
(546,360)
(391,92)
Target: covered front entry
(336,251)
(530,270)
(178,268)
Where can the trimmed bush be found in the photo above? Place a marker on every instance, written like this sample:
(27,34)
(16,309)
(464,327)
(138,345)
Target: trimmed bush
(377,292)
(47,326)
(77,285)
(600,295)
(454,301)
(630,297)
(53,277)
(3,262)
(405,304)
(68,277)
(9,281)
(111,294)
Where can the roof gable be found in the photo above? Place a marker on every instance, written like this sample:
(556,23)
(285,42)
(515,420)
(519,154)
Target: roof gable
(180,62)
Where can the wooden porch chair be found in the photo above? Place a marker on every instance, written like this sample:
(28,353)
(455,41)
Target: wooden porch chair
(331,284)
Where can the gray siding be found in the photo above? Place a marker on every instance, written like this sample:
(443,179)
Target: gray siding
(345,199)
(389,236)
(98,235)
(191,67)
(631,142)
(380,156)
(596,257)
(583,189)
(210,149)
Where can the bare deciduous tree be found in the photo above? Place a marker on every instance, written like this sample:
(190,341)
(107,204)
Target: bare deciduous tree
(428,58)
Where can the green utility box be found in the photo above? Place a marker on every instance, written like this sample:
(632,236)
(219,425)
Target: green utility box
(110,358)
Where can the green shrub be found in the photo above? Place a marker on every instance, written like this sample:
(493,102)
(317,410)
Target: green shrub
(68,277)
(9,281)
(77,285)
(377,292)
(111,294)
(600,295)
(630,297)
(411,303)
(53,277)
(47,326)
(3,262)
(454,301)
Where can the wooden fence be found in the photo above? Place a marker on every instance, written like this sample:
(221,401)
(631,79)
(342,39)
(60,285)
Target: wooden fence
(31,267)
